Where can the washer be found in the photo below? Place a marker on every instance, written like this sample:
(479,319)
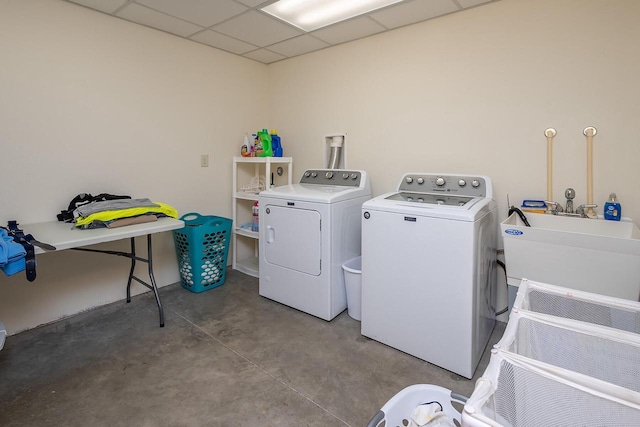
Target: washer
(307,231)
(429,268)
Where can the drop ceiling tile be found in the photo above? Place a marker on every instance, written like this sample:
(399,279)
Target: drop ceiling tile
(256,28)
(223,42)
(265,56)
(470,3)
(349,30)
(254,3)
(298,46)
(201,12)
(144,15)
(238,26)
(107,6)
(414,11)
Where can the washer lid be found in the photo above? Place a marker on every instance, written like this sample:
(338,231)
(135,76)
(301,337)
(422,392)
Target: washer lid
(430,199)
(461,208)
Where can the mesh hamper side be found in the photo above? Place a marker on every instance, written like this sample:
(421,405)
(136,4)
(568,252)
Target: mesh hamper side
(585,349)
(586,307)
(527,399)
(183,251)
(515,393)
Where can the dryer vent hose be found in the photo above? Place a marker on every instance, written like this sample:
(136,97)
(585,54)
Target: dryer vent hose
(336,152)
(334,158)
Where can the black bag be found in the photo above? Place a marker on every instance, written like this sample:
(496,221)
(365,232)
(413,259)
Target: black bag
(83,199)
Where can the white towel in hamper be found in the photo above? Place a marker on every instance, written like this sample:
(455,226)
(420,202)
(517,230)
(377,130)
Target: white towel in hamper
(430,415)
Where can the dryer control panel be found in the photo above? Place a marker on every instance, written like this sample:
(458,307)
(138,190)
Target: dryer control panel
(343,177)
(459,185)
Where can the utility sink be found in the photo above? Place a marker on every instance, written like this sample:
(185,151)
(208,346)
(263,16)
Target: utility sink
(593,255)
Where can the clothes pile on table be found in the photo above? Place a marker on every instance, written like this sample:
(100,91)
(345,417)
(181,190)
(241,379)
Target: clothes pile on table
(110,211)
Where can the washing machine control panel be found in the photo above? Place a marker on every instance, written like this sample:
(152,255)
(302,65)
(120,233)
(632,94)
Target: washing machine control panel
(346,178)
(459,185)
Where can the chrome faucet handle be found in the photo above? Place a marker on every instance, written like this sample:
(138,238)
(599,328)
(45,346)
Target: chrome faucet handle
(556,207)
(581,209)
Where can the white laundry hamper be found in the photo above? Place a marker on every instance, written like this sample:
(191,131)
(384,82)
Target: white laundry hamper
(518,392)
(606,354)
(397,411)
(586,307)
(572,361)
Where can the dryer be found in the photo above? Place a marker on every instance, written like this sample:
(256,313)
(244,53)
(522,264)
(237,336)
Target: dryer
(307,231)
(429,268)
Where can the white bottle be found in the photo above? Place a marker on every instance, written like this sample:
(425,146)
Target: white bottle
(246,150)
(255,223)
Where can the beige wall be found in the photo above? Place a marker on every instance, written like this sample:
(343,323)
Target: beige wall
(93,104)
(89,103)
(473,92)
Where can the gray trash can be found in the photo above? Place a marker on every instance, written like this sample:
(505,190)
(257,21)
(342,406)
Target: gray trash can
(353,283)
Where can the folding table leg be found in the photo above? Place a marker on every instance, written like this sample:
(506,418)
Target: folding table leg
(149,260)
(133,266)
(153,281)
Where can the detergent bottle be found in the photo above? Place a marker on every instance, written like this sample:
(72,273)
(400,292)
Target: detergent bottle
(264,150)
(253,145)
(255,220)
(612,209)
(247,147)
(276,144)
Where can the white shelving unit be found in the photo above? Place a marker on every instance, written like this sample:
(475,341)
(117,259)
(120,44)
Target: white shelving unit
(248,170)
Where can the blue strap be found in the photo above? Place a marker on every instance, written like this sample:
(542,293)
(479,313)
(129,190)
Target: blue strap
(30,257)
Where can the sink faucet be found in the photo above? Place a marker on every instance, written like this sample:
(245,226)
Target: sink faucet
(570,194)
(553,208)
(582,210)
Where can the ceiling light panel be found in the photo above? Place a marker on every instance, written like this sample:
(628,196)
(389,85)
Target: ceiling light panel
(310,15)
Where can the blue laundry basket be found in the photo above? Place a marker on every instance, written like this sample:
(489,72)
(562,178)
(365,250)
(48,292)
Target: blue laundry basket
(202,247)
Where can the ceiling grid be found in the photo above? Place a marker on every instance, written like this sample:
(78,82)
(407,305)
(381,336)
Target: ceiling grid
(242,28)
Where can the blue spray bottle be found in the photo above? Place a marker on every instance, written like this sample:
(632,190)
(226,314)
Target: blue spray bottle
(612,209)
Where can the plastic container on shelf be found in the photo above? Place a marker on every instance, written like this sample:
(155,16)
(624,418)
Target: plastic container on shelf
(255,217)
(276,144)
(247,148)
(263,148)
(202,247)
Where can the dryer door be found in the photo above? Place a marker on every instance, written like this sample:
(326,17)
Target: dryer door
(293,238)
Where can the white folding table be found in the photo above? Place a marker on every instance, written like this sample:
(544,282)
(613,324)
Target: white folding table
(64,235)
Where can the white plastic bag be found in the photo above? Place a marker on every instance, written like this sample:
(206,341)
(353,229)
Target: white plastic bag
(430,415)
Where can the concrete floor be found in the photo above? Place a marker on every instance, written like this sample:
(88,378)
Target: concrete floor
(226,357)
